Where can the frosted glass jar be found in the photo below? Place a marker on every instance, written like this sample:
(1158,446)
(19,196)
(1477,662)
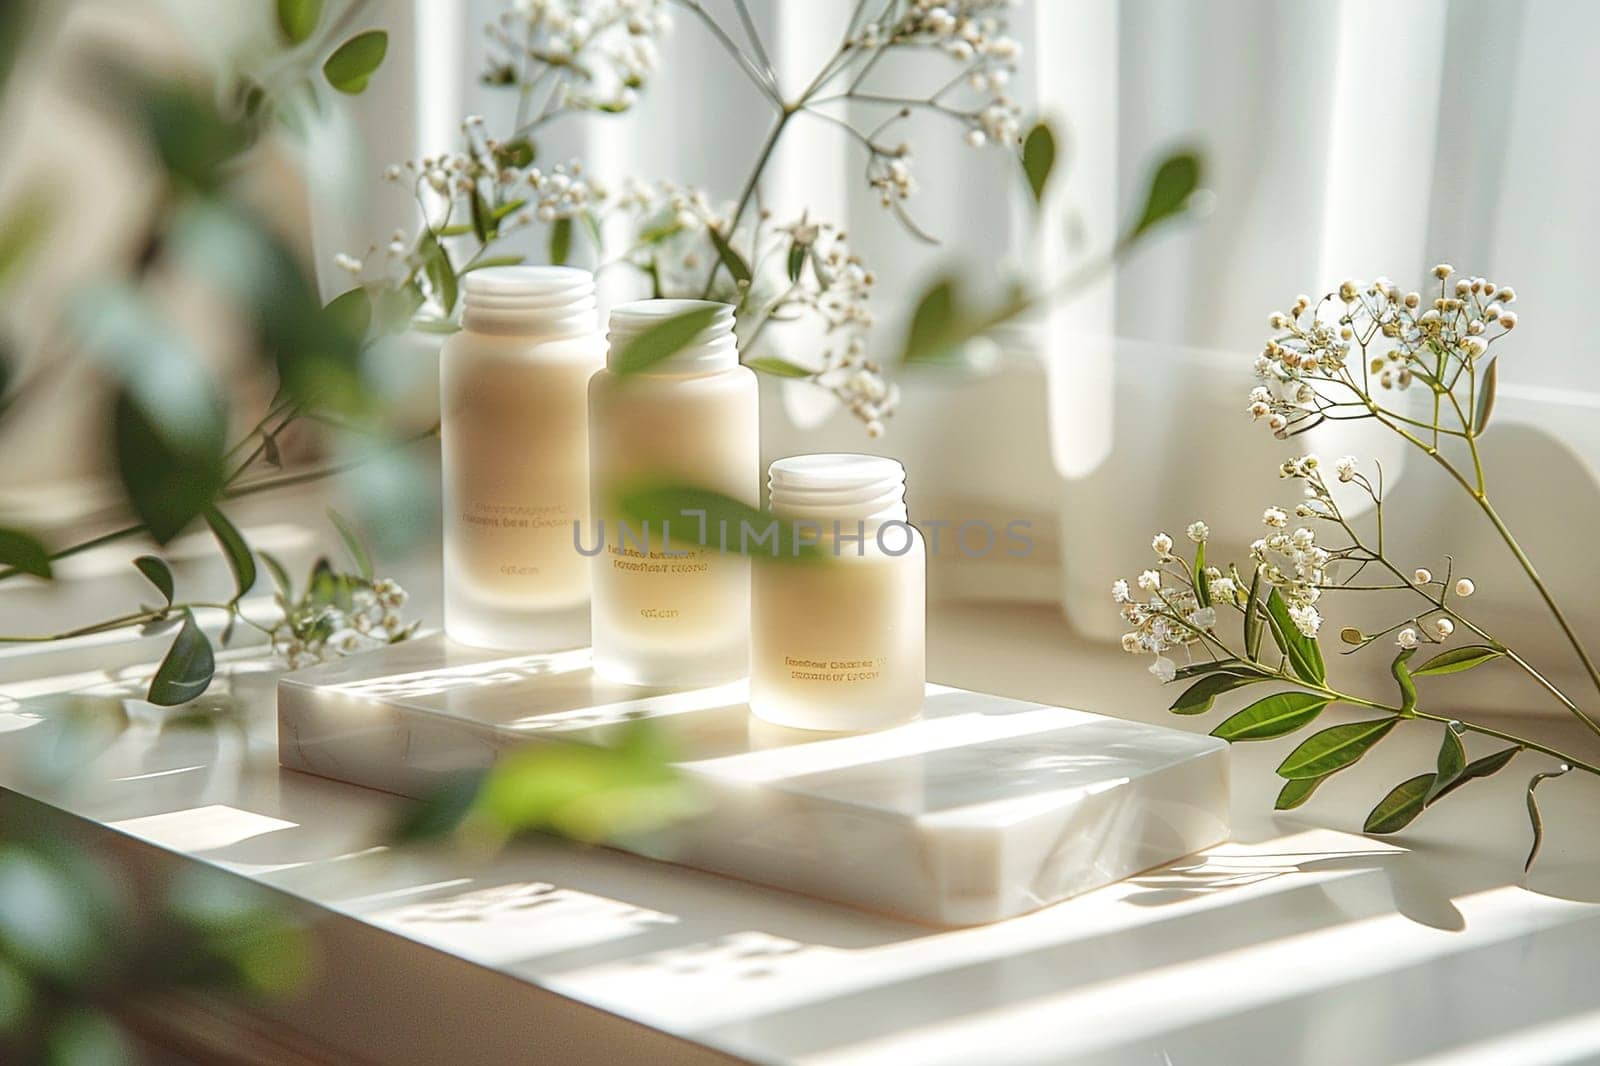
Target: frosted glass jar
(513,426)
(689,420)
(837,643)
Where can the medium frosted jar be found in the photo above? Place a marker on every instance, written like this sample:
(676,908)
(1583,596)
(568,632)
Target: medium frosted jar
(690,420)
(514,432)
(837,642)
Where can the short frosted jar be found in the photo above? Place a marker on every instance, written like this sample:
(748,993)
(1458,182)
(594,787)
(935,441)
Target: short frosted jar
(837,640)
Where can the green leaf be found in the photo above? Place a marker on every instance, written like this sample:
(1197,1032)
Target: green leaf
(516,153)
(298,18)
(1403,803)
(499,213)
(1402,677)
(328,588)
(1486,393)
(240,561)
(1294,793)
(933,331)
(353,63)
(392,309)
(696,517)
(1231,665)
(666,338)
(352,543)
(280,575)
(782,368)
(1038,158)
(494,261)
(1274,716)
(796,263)
(483,225)
(1535,819)
(560,241)
(159,574)
(1457,659)
(23,229)
(1452,761)
(1252,617)
(351,311)
(1302,651)
(1334,748)
(168,483)
(24,552)
(1489,764)
(1198,697)
(186,671)
(1202,585)
(439,271)
(1174,182)
(729,255)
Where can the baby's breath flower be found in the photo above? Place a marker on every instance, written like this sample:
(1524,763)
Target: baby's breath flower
(1162,546)
(1444,627)
(1150,580)
(1198,532)
(1306,619)
(1407,638)
(1274,518)
(1422,576)
(1119,591)
(1465,587)
(1345,468)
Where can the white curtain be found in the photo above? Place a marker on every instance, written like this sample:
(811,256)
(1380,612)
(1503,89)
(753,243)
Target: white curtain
(1342,138)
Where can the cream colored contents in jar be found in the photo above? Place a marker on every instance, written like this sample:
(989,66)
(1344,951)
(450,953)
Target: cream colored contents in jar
(691,420)
(514,430)
(837,642)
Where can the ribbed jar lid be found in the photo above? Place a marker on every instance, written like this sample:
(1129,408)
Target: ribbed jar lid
(838,486)
(713,348)
(550,300)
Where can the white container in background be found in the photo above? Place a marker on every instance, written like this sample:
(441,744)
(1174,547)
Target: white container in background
(837,642)
(690,420)
(514,430)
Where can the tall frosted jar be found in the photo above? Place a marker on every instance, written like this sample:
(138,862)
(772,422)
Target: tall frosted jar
(690,420)
(514,430)
(837,642)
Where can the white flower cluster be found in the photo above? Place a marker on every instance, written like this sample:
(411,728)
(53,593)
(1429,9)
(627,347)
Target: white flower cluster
(1406,337)
(597,54)
(1292,560)
(319,627)
(890,176)
(972,32)
(563,191)
(668,222)
(1165,617)
(833,285)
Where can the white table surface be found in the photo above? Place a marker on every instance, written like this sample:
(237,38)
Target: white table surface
(1301,941)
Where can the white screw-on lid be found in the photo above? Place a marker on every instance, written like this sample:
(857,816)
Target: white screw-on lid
(838,486)
(550,300)
(714,348)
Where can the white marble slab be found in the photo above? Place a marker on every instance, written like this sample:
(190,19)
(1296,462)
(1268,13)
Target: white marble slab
(985,809)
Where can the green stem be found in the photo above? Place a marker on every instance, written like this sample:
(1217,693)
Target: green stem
(121,622)
(1481,497)
(1512,738)
(749,191)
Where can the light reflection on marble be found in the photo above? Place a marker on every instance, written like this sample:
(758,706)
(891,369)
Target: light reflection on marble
(984,809)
